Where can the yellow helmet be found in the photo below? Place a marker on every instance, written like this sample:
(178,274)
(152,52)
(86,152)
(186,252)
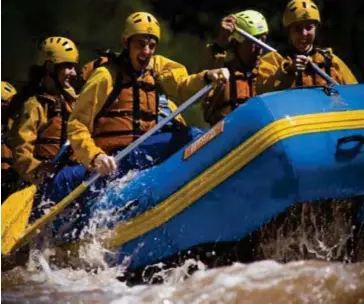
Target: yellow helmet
(7,92)
(141,23)
(298,10)
(57,50)
(251,22)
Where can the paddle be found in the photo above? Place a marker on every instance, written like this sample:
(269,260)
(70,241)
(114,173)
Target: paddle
(15,211)
(30,231)
(321,73)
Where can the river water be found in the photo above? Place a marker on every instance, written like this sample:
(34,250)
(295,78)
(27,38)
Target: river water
(300,259)
(259,282)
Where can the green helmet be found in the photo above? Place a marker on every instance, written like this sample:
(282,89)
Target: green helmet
(251,22)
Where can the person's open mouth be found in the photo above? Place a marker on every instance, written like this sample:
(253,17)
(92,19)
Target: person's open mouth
(143,60)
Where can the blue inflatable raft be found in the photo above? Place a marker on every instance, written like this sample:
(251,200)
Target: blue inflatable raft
(270,153)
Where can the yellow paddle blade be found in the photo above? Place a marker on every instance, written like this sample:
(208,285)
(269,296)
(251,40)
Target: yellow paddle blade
(15,212)
(21,239)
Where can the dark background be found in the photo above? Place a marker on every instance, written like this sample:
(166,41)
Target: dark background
(187,25)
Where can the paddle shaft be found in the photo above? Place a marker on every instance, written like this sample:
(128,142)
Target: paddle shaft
(321,73)
(60,153)
(155,129)
(52,213)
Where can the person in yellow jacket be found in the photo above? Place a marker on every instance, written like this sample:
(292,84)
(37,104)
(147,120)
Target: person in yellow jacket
(289,67)
(48,97)
(8,175)
(118,103)
(166,106)
(241,57)
(96,128)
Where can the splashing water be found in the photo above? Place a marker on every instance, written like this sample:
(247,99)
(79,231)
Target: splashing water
(259,282)
(300,235)
(321,230)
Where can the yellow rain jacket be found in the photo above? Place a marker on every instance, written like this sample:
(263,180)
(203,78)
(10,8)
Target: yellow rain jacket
(37,120)
(272,75)
(90,67)
(224,98)
(171,77)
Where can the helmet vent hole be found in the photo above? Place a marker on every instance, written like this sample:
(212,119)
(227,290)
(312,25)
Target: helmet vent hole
(251,22)
(137,21)
(293,9)
(59,39)
(7,89)
(51,40)
(314,6)
(149,19)
(136,16)
(64,43)
(69,49)
(304,4)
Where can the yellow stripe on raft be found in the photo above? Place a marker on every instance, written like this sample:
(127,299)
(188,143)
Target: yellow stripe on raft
(230,164)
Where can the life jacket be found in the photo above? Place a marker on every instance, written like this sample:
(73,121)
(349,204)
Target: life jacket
(323,59)
(227,98)
(166,106)
(89,67)
(54,133)
(133,112)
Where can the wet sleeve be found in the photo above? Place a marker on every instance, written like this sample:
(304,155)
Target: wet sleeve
(81,121)
(24,136)
(271,75)
(347,76)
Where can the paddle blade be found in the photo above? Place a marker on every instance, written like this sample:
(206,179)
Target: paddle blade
(21,239)
(15,212)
